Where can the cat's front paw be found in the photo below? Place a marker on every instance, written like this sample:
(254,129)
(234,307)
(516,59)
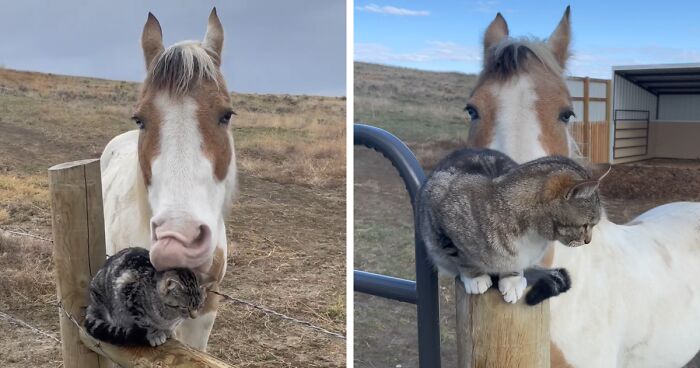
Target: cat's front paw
(512,287)
(156,337)
(476,285)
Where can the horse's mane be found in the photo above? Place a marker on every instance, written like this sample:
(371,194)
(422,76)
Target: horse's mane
(183,66)
(512,55)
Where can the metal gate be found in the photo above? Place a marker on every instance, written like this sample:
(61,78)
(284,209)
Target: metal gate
(631,133)
(424,291)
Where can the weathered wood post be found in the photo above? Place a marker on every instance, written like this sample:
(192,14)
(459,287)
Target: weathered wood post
(494,334)
(79,249)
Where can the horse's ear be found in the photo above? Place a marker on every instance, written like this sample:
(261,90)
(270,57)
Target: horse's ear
(214,38)
(497,30)
(151,40)
(560,39)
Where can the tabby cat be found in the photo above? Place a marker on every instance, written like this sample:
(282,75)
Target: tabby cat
(479,214)
(133,304)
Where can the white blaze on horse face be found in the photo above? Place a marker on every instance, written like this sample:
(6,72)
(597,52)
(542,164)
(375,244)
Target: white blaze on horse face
(184,194)
(516,128)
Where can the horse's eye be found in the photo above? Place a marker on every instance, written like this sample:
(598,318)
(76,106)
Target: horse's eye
(473,113)
(565,116)
(139,122)
(226,118)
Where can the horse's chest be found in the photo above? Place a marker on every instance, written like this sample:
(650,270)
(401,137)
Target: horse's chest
(529,250)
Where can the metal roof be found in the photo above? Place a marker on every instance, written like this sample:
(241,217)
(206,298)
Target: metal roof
(671,79)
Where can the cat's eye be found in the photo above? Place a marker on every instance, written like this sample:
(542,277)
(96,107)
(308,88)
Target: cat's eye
(472,112)
(566,115)
(139,122)
(226,117)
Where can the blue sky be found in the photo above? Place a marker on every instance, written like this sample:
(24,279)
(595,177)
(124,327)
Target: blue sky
(446,35)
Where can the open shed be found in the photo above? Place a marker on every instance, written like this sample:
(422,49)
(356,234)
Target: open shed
(655,112)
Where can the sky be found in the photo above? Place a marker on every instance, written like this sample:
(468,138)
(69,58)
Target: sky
(447,35)
(294,47)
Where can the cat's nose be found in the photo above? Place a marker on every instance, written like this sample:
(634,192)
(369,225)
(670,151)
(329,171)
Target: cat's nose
(588,237)
(181,242)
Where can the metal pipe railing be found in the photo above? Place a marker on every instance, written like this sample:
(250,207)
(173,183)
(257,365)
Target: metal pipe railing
(424,291)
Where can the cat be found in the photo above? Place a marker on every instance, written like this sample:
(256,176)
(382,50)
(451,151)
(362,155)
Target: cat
(479,213)
(133,304)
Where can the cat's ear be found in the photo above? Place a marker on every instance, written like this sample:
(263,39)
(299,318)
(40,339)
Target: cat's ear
(565,186)
(582,189)
(171,284)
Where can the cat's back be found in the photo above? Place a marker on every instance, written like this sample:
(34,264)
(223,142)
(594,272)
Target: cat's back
(471,169)
(126,266)
(482,162)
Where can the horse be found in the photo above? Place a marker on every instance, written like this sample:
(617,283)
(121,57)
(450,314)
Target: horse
(635,299)
(167,185)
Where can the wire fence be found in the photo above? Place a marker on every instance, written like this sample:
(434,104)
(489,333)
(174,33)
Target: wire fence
(227,297)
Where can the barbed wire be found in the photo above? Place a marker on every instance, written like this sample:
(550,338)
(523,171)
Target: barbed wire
(19,233)
(278,314)
(22,323)
(230,298)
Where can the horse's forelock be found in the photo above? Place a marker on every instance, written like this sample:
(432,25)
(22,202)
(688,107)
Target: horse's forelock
(514,55)
(183,66)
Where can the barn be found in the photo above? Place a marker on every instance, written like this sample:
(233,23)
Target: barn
(655,112)
(643,112)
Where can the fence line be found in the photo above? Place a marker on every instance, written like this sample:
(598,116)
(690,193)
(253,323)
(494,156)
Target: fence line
(24,324)
(230,298)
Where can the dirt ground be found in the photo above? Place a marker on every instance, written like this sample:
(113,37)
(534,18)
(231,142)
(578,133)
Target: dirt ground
(287,226)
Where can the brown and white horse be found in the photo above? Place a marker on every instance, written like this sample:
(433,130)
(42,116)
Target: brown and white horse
(167,185)
(635,299)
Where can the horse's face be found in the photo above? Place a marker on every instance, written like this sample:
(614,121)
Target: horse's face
(520,105)
(185,147)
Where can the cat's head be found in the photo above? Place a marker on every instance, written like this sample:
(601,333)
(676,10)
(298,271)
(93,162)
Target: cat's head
(181,290)
(574,206)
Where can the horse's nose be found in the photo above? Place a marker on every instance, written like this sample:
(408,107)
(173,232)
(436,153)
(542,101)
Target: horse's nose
(180,242)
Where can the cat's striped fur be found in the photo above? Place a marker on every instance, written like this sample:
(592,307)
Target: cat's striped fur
(133,304)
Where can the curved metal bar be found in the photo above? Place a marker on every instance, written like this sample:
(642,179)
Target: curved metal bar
(396,152)
(427,301)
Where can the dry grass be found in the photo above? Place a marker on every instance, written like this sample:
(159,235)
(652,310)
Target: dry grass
(308,147)
(288,222)
(414,105)
(23,198)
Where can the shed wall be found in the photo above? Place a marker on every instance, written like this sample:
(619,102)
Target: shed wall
(679,107)
(673,139)
(629,96)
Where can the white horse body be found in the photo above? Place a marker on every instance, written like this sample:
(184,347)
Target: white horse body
(635,299)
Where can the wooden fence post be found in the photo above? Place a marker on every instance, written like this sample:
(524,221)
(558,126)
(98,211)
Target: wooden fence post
(494,334)
(79,249)
(587,146)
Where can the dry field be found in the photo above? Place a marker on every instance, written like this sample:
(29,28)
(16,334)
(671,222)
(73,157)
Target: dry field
(288,222)
(425,110)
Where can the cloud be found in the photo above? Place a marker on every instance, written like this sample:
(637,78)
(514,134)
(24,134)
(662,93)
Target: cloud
(598,61)
(434,51)
(392,10)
